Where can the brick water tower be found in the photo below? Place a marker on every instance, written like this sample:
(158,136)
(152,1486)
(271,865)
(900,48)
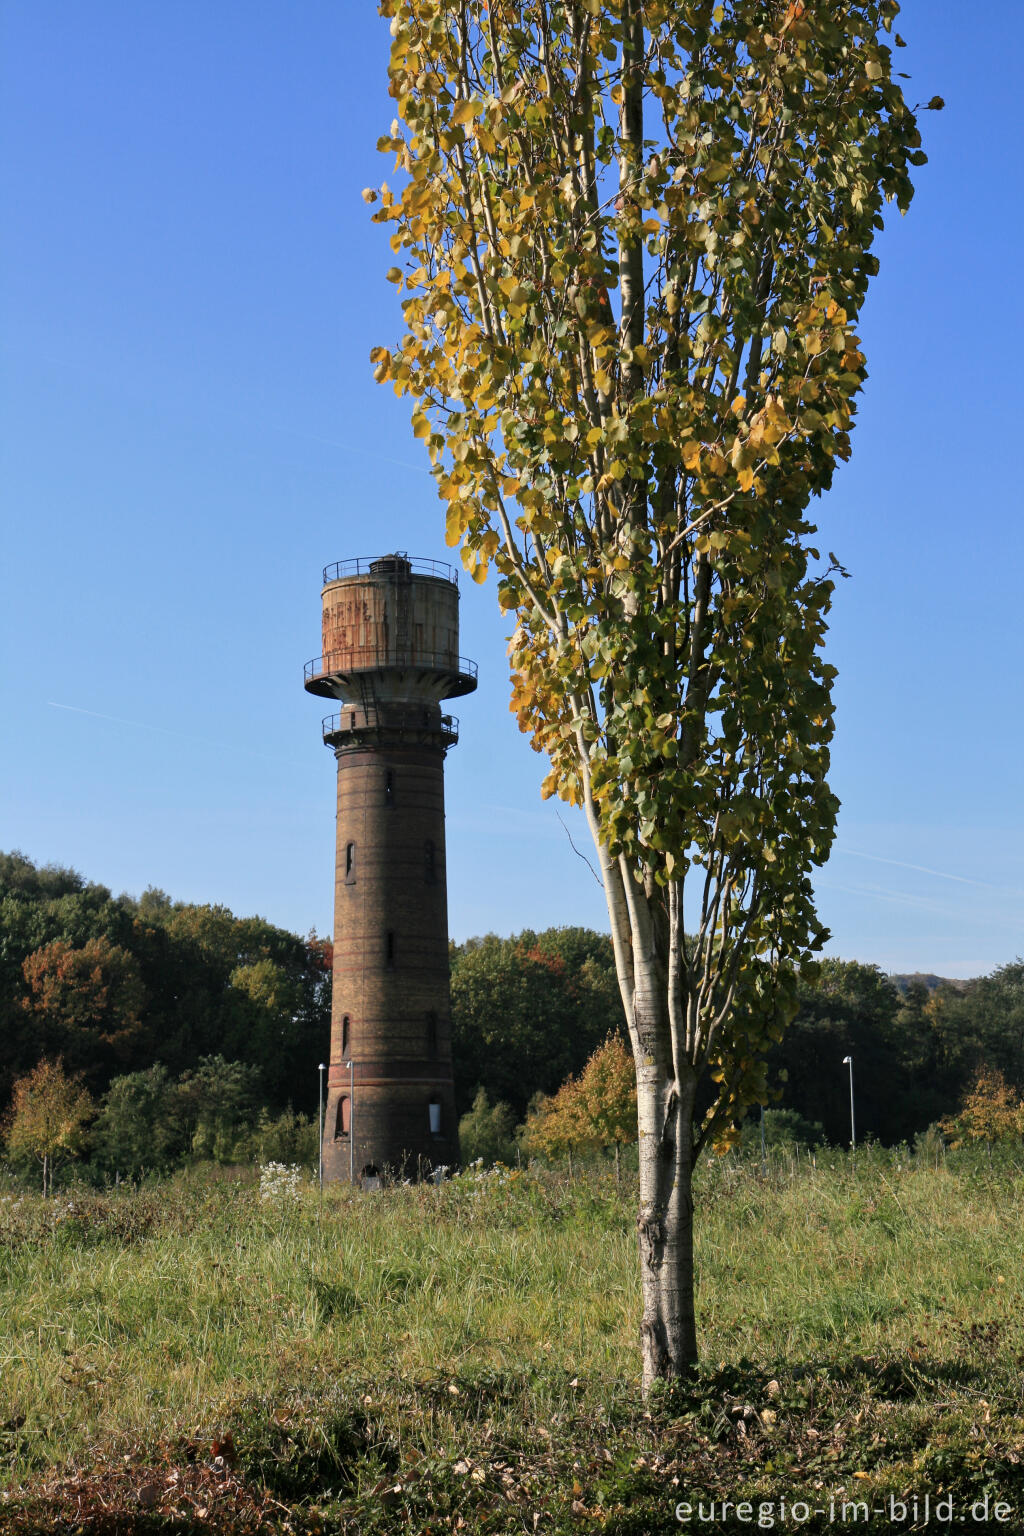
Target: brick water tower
(390,658)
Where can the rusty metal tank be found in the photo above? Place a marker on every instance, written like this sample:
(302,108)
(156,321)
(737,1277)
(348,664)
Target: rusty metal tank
(390,626)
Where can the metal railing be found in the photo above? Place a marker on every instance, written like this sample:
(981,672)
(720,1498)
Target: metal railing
(348,662)
(335,725)
(364,567)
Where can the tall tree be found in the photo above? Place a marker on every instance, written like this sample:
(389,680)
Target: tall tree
(48,1117)
(487,1132)
(990,1112)
(607,1095)
(528,1010)
(636,238)
(86,1002)
(554,1126)
(140,1124)
(848,1009)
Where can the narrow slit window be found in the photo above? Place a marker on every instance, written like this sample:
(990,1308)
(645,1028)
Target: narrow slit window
(344,1037)
(389,947)
(350,863)
(432,1033)
(344,1119)
(389,788)
(430,862)
(434,1112)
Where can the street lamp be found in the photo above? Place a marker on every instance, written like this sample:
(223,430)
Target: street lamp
(848,1062)
(323,1068)
(351,1121)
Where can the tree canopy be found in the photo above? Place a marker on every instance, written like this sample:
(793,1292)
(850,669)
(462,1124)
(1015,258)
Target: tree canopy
(114,985)
(528,1010)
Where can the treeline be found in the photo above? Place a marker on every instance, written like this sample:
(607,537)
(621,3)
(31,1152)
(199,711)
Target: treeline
(157,997)
(917,1049)
(529,1011)
(115,985)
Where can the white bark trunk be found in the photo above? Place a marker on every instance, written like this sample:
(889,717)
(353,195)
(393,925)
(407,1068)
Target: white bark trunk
(665,1228)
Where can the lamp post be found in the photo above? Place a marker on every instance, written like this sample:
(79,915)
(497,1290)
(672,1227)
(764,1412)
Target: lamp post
(848,1062)
(351,1121)
(323,1067)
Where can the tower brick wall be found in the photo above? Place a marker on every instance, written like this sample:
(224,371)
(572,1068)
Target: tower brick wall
(393,638)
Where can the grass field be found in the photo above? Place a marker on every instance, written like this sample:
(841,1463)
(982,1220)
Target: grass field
(187,1356)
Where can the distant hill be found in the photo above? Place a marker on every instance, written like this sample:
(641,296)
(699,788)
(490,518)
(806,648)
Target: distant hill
(901,983)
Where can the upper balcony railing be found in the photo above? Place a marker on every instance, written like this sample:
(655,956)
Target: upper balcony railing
(346,722)
(349,661)
(365,567)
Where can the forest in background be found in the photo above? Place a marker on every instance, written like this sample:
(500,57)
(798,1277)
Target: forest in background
(200,1032)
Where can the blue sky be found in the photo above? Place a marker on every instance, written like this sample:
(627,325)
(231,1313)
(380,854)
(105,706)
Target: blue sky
(189,431)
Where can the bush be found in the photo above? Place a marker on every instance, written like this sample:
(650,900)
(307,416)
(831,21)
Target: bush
(782,1128)
(487,1132)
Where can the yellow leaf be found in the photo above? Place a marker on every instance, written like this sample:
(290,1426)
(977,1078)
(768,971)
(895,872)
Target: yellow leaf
(465,111)
(549,786)
(746,479)
(455,523)
(691,455)
(602,380)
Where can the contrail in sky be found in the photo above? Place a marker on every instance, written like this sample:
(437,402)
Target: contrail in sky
(922,869)
(118,720)
(163,730)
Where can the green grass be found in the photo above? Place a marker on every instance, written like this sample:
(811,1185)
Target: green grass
(466,1358)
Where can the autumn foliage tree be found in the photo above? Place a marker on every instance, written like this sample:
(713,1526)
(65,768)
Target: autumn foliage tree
(48,1117)
(607,1094)
(990,1112)
(635,239)
(553,1127)
(86,1001)
(595,1110)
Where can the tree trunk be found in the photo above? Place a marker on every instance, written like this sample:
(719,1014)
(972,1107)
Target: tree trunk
(44,1175)
(618,1171)
(668,1330)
